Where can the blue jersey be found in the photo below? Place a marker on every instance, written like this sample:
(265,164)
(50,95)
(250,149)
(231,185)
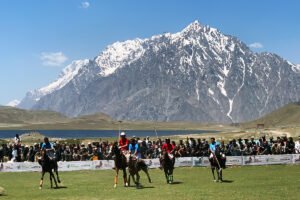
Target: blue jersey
(47,146)
(133,148)
(212,146)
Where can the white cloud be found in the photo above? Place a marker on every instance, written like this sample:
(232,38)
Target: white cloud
(256,45)
(53,58)
(85,4)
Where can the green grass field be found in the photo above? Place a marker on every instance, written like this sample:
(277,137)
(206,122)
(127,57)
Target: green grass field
(259,182)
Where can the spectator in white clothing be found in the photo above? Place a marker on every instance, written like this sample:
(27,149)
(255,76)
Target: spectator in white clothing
(297,145)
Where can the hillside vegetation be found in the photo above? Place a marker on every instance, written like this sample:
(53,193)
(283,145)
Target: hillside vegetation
(10,115)
(288,115)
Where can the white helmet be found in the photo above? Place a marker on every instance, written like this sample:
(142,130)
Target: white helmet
(123,134)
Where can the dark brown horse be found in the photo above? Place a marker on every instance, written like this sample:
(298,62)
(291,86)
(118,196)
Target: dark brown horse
(217,162)
(167,162)
(48,164)
(134,166)
(120,163)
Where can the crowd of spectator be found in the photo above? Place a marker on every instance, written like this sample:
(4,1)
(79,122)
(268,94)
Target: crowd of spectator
(17,152)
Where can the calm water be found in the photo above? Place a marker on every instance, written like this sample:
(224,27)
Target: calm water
(99,133)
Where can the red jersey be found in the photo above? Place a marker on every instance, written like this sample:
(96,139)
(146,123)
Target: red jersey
(123,142)
(167,147)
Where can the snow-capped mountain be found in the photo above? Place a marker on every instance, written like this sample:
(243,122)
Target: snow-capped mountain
(13,103)
(198,74)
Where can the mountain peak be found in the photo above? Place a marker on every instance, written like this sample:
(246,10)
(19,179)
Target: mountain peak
(194,26)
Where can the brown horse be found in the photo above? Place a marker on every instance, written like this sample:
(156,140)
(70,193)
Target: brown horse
(48,165)
(120,163)
(168,165)
(134,166)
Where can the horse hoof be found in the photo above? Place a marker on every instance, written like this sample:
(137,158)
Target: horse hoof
(215,181)
(126,184)
(40,188)
(115,185)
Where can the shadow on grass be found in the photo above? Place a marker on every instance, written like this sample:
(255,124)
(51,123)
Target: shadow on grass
(146,187)
(227,181)
(60,187)
(141,187)
(176,183)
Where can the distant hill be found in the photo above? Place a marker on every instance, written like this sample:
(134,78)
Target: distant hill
(11,115)
(287,115)
(14,118)
(94,117)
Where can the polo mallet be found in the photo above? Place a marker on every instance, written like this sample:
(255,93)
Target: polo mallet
(220,169)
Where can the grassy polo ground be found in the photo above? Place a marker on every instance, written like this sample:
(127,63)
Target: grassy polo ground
(252,182)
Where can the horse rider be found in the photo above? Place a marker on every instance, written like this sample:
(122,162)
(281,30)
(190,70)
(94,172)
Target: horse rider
(49,148)
(134,148)
(212,148)
(168,148)
(123,142)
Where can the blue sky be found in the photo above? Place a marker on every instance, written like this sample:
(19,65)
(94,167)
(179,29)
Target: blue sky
(38,38)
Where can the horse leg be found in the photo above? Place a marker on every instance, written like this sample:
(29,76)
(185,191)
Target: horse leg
(171,175)
(125,177)
(42,178)
(116,177)
(218,172)
(167,175)
(221,175)
(128,180)
(56,172)
(133,178)
(51,179)
(54,180)
(137,180)
(147,173)
(213,173)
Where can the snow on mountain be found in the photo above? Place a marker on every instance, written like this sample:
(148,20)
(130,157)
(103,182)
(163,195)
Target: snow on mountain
(13,103)
(118,55)
(65,77)
(296,68)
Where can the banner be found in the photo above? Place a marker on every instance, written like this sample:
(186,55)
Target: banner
(296,158)
(268,159)
(154,163)
(255,160)
(234,160)
(280,159)
(20,167)
(184,162)
(200,162)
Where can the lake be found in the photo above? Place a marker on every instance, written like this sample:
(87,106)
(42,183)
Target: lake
(100,133)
